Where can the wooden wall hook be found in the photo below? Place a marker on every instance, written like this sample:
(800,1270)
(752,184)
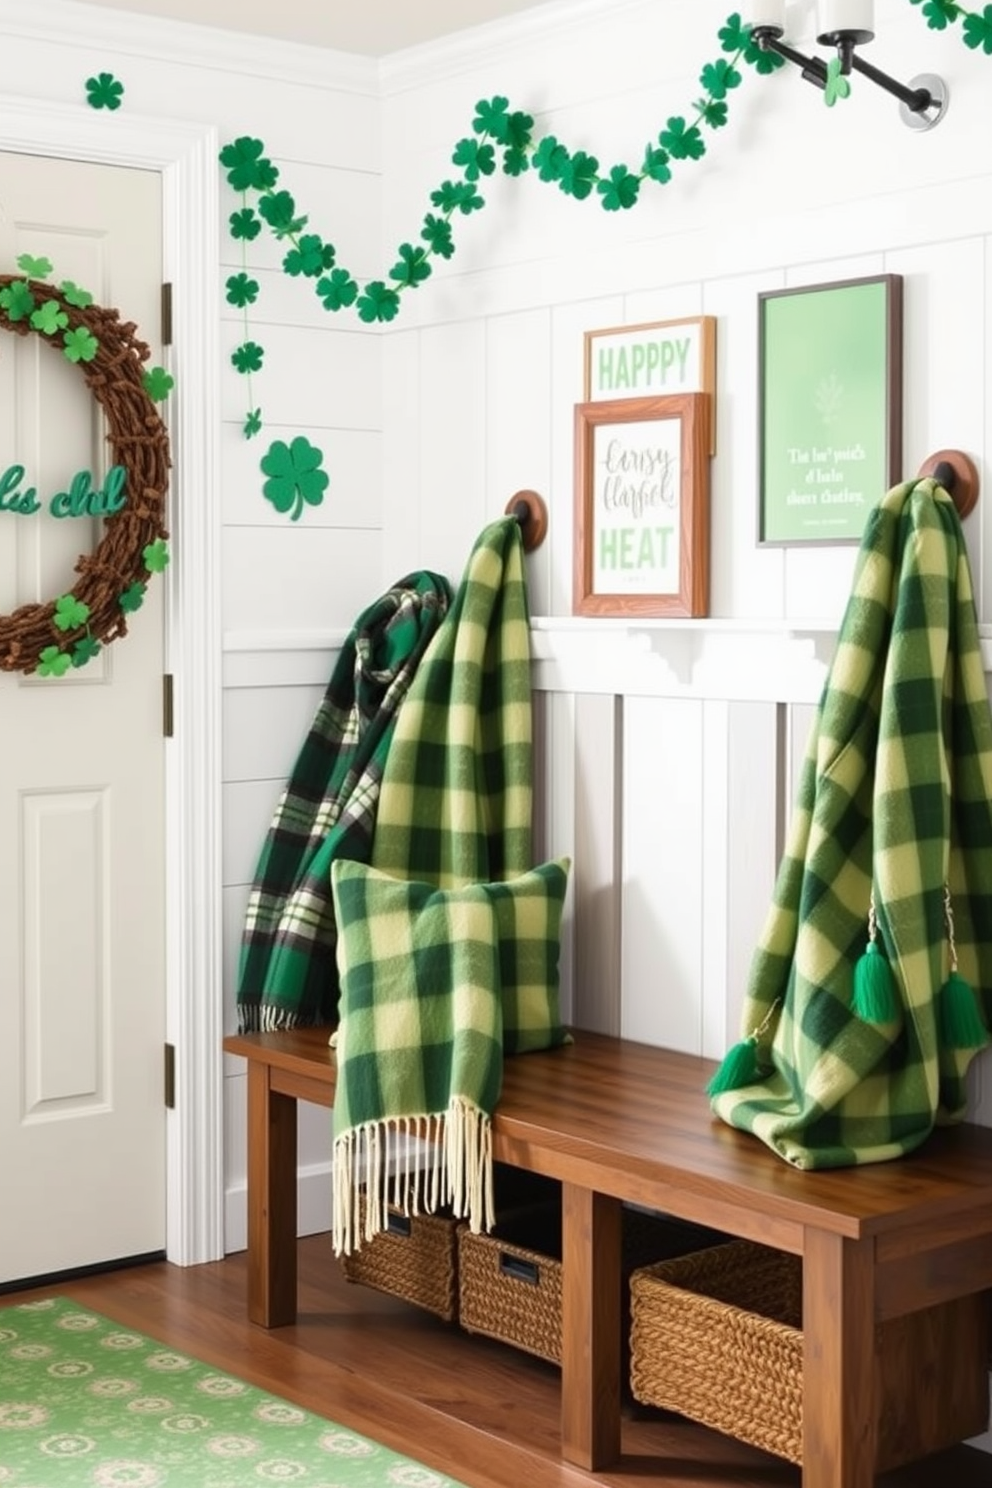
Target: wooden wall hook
(957,473)
(532,514)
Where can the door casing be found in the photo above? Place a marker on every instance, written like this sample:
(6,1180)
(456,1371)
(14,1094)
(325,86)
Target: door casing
(185,155)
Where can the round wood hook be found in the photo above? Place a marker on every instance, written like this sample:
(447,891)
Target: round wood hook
(956,472)
(532,514)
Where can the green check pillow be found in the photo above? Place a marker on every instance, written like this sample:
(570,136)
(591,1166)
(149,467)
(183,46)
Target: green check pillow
(527,912)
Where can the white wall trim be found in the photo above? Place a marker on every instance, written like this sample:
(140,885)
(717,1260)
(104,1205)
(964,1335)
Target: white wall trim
(119,32)
(314,1187)
(186,156)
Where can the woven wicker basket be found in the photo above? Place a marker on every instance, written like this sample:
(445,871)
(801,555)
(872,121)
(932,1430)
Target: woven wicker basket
(510,1282)
(415,1258)
(717,1336)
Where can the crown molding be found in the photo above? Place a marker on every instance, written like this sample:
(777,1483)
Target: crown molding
(496,42)
(93,28)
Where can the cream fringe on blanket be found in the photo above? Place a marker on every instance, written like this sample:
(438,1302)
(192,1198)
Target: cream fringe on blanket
(384,1161)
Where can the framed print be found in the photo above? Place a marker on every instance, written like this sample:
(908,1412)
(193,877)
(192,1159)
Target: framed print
(829,407)
(642,506)
(655,359)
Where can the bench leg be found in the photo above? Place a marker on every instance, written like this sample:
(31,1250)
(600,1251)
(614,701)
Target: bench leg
(839,1409)
(271,1201)
(591,1312)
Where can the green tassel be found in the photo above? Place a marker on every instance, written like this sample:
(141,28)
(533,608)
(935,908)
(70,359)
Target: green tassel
(738,1068)
(875,997)
(961,1022)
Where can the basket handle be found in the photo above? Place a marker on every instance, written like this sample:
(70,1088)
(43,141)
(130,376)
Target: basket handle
(519,1269)
(399,1224)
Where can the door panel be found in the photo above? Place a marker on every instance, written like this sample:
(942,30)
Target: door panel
(82,898)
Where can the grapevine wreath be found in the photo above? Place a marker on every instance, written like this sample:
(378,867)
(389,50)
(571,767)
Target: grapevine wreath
(69,630)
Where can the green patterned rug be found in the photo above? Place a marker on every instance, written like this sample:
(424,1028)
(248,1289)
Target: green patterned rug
(85,1403)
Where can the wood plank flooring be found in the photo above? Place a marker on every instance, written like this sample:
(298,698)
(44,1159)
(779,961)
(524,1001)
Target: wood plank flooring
(476,1409)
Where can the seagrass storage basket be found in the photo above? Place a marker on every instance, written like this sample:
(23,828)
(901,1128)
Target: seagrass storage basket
(717,1336)
(510,1282)
(416,1256)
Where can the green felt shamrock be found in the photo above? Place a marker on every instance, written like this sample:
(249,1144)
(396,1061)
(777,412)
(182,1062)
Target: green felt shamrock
(49,318)
(310,257)
(279,210)
(978,30)
(682,141)
(80,345)
(104,91)
(294,476)
(85,649)
(73,295)
(621,190)
(337,290)
(475,160)
(156,555)
(579,175)
(253,423)
(52,662)
(461,196)
(437,234)
(836,84)
(241,290)
(655,167)
(247,167)
(157,383)
(244,225)
(17,300)
(35,268)
(70,612)
(412,268)
(132,598)
(248,358)
(379,302)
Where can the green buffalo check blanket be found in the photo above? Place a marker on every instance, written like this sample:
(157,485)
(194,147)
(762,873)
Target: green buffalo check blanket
(890,847)
(450,935)
(287,975)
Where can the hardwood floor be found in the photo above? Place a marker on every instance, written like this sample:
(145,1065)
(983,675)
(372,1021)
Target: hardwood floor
(476,1409)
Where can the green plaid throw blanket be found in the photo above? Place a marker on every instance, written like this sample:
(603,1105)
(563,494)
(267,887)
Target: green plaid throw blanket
(419,1044)
(287,975)
(887,869)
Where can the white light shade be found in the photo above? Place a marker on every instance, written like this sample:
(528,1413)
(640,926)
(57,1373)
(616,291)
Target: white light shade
(769,13)
(845,15)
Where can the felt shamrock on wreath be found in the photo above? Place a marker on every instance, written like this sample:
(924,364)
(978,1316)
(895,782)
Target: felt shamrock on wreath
(51,637)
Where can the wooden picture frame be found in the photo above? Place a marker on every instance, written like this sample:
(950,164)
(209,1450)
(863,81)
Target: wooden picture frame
(829,408)
(653,359)
(642,507)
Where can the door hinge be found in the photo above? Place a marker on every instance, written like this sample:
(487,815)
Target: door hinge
(166,314)
(167,713)
(170,1077)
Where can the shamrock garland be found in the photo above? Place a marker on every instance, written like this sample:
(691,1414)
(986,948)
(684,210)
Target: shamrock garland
(497,128)
(70,630)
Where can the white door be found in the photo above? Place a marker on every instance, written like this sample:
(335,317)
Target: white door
(82,887)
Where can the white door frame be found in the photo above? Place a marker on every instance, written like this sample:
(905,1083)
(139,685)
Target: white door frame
(185,155)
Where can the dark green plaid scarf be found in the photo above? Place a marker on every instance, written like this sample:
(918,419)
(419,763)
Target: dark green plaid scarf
(420,1040)
(287,975)
(871,988)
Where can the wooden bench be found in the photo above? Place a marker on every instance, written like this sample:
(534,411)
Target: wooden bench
(618,1121)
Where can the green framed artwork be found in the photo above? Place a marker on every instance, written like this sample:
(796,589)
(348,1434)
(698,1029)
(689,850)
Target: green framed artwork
(829,407)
